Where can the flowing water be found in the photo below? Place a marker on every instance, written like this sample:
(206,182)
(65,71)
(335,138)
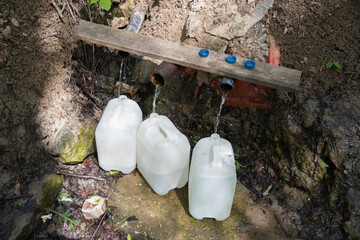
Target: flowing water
(120,75)
(157,92)
(223,99)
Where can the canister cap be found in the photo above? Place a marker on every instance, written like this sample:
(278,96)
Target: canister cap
(122,97)
(204,52)
(250,64)
(230,59)
(154,115)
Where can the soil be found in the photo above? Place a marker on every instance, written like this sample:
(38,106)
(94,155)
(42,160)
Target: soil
(46,83)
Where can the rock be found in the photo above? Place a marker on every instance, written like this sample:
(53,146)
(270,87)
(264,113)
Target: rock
(74,145)
(142,71)
(211,42)
(227,23)
(352,227)
(167,217)
(127,8)
(7,31)
(295,197)
(119,22)
(310,111)
(45,192)
(114,69)
(93,207)
(25,225)
(353,200)
(15,22)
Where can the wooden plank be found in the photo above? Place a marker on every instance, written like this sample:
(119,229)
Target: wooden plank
(186,55)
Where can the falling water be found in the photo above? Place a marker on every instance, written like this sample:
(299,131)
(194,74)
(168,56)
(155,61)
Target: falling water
(223,99)
(157,92)
(120,75)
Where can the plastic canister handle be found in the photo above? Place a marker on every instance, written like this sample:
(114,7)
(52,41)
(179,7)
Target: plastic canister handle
(214,139)
(115,116)
(165,129)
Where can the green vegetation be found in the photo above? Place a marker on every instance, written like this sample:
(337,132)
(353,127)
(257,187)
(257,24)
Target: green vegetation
(238,165)
(105,4)
(63,216)
(14,53)
(111,172)
(128,237)
(65,197)
(333,64)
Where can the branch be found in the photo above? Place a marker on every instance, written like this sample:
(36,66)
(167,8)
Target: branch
(80,176)
(58,10)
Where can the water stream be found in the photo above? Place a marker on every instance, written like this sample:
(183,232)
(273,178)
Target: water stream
(120,75)
(157,92)
(223,99)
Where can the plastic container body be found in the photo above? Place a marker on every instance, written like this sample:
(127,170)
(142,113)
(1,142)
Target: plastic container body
(212,179)
(115,135)
(163,154)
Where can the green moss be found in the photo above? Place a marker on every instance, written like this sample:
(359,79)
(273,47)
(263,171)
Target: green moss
(83,145)
(46,190)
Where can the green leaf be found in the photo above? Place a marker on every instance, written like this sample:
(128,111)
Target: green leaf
(5,44)
(128,237)
(329,64)
(97,201)
(92,196)
(111,172)
(61,218)
(336,64)
(237,155)
(105,4)
(93,1)
(65,217)
(14,53)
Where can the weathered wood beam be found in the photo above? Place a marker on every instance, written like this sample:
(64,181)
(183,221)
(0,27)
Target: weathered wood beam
(186,55)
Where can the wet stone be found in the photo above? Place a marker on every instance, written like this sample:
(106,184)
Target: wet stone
(140,211)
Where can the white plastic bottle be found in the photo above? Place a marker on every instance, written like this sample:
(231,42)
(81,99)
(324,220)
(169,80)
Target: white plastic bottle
(162,154)
(212,179)
(115,135)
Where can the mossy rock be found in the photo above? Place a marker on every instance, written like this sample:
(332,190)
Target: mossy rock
(74,145)
(46,190)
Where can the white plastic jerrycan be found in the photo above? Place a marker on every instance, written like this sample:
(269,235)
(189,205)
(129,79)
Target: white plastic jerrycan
(162,154)
(212,179)
(115,135)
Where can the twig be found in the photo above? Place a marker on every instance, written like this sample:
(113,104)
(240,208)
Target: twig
(58,10)
(102,219)
(70,10)
(74,8)
(63,7)
(16,197)
(80,176)
(281,226)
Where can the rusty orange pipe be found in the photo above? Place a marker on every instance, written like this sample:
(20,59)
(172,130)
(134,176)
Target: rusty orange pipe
(163,74)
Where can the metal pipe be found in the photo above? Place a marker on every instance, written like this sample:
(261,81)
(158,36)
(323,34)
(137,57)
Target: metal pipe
(227,84)
(163,74)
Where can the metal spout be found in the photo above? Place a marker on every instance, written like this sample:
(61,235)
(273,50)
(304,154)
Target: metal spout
(227,84)
(163,74)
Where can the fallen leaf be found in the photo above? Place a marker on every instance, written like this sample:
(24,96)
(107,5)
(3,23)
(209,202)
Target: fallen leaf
(17,189)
